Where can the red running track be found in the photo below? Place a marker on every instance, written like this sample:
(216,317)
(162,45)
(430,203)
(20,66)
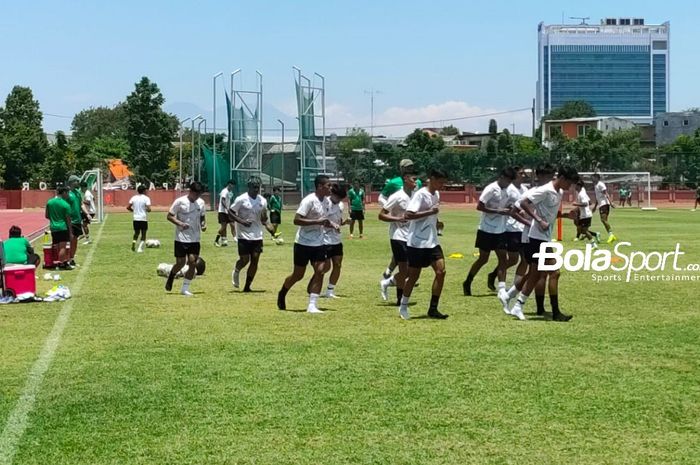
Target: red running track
(33,224)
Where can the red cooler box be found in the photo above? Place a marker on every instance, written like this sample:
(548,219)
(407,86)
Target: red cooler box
(20,279)
(50,256)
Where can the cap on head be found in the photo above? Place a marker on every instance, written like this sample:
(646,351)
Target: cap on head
(73,178)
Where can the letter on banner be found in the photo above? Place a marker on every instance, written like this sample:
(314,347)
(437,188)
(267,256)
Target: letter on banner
(25,186)
(42,186)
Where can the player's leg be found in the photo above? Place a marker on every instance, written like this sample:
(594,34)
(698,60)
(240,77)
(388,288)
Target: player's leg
(144,229)
(319,267)
(252,269)
(476,266)
(191,258)
(180,261)
(360,224)
(557,315)
(221,233)
(412,275)
(137,230)
(438,266)
(337,261)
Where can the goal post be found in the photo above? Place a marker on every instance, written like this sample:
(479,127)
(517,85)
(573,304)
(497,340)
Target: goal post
(93,178)
(642,179)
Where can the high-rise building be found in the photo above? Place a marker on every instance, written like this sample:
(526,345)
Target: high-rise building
(620,67)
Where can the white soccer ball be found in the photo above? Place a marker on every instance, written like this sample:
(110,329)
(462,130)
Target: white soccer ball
(152,243)
(279,241)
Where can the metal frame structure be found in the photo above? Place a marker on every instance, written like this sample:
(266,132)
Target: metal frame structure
(309,146)
(643,174)
(245,152)
(99,193)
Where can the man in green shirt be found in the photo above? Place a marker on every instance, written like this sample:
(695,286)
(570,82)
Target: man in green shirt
(356,195)
(274,204)
(58,214)
(17,249)
(75,200)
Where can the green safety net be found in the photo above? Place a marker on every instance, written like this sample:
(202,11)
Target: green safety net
(309,143)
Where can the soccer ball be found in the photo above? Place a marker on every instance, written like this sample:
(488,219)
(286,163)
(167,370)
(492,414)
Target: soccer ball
(152,243)
(279,241)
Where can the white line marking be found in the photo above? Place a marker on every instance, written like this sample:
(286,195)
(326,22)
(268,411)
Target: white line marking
(17,421)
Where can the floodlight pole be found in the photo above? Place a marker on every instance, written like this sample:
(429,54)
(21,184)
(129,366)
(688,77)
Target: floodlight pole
(282,124)
(232,162)
(199,146)
(192,139)
(180,180)
(323,119)
(213,144)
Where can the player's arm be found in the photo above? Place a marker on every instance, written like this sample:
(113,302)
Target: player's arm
(148,205)
(300,220)
(232,214)
(481,206)
(610,202)
(385,216)
(130,207)
(519,215)
(418,215)
(46,211)
(173,219)
(203,222)
(529,208)
(68,222)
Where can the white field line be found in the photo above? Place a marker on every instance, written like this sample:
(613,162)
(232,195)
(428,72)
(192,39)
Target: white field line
(18,419)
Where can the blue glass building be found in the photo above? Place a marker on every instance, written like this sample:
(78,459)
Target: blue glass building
(620,67)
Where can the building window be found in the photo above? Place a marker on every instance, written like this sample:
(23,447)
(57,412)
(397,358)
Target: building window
(665,123)
(659,45)
(638,22)
(686,122)
(554,130)
(582,129)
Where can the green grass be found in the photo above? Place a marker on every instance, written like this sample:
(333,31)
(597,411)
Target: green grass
(142,377)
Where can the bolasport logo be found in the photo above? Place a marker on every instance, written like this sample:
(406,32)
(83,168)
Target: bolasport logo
(625,264)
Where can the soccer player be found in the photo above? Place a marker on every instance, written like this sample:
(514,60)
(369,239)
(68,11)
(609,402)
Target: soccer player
(603,203)
(514,229)
(187,213)
(88,210)
(390,187)
(275,207)
(394,212)
(308,244)
(494,208)
(422,246)
(75,200)
(332,240)
(542,204)
(697,198)
(583,203)
(140,206)
(18,250)
(249,210)
(225,197)
(58,213)
(356,195)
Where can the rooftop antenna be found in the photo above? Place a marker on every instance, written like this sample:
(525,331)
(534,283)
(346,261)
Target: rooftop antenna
(582,18)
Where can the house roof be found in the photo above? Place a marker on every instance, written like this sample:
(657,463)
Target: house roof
(118,169)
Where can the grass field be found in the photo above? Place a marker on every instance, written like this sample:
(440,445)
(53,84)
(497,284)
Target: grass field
(143,377)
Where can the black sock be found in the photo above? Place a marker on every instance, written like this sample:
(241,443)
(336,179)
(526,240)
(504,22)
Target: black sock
(218,236)
(494,272)
(399,294)
(470,278)
(554,300)
(248,282)
(540,302)
(434,300)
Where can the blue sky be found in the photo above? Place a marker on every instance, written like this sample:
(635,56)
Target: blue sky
(430,60)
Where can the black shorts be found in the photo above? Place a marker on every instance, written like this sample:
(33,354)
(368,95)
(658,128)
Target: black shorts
(59,236)
(423,258)
(511,241)
(275,218)
(357,215)
(140,226)
(183,249)
(584,222)
(303,254)
(87,218)
(399,250)
(223,218)
(604,210)
(249,247)
(77,229)
(533,247)
(489,241)
(334,250)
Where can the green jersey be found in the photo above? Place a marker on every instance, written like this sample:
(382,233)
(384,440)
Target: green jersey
(75,199)
(356,198)
(57,210)
(396,184)
(16,250)
(275,203)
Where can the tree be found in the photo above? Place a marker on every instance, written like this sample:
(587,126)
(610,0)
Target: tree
(24,143)
(571,109)
(355,158)
(450,130)
(493,127)
(149,131)
(420,141)
(505,142)
(92,123)
(59,161)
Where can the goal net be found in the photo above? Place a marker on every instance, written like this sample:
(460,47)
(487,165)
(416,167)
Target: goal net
(93,178)
(634,185)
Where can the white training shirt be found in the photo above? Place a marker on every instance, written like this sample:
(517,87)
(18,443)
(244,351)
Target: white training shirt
(138,203)
(585,211)
(190,213)
(334,212)
(546,200)
(514,195)
(248,208)
(600,196)
(89,199)
(224,200)
(396,205)
(311,208)
(422,233)
(525,236)
(495,198)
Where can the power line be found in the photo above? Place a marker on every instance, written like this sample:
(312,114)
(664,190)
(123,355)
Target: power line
(57,116)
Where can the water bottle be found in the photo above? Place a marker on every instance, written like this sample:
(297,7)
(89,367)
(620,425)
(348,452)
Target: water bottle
(47,238)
